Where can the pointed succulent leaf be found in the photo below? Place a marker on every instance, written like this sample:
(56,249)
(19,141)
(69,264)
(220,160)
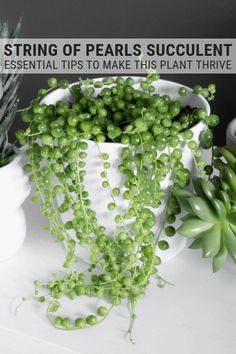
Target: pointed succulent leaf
(221,184)
(225,186)
(1,88)
(219,165)
(9,97)
(202,209)
(208,188)
(217,182)
(219,208)
(211,241)
(193,227)
(186,217)
(232,218)
(232,149)
(233,227)
(182,197)
(198,187)
(15,33)
(196,244)
(232,196)
(230,177)
(229,157)
(11,81)
(9,84)
(220,258)
(224,197)
(182,193)
(230,240)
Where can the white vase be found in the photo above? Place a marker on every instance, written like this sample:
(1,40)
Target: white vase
(14,189)
(100,197)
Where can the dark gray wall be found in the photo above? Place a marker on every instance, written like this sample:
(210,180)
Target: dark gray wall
(131,18)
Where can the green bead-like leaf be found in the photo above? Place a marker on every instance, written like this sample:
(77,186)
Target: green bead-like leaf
(211,241)
(193,227)
(220,258)
(201,209)
(230,240)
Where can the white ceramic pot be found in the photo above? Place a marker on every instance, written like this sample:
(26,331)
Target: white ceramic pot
(100,197)
(14,189)
(231,133)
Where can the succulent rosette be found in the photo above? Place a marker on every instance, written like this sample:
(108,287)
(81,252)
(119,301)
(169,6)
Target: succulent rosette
(211,211)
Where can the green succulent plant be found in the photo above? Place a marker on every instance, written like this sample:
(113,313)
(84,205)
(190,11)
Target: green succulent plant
(211,211)
(9,84)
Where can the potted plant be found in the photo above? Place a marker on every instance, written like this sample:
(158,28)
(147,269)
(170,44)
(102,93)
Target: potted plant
(105,156)
(210,221)
(14,186)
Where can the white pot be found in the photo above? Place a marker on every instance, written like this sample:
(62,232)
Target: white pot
(100,197)
(14,189)
(231,133)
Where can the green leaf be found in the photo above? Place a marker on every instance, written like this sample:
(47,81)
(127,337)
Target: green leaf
(224,197)
(193,227)
(232,218)
(219,165)
(211,241)
(231,148)
(196,244)
(219,208)
(232,196)
(229,157)
(220,258)
(225,186)
(230,240)
(186,217)
(198,187)
(208,188)
(230,177)
(201,209)
(182,193)
(182,197)
(217,182)
(233,228)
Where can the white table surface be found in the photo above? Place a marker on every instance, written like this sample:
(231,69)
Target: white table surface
(196,315)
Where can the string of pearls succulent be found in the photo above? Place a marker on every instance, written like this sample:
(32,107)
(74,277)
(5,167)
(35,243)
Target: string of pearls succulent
(153,129)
